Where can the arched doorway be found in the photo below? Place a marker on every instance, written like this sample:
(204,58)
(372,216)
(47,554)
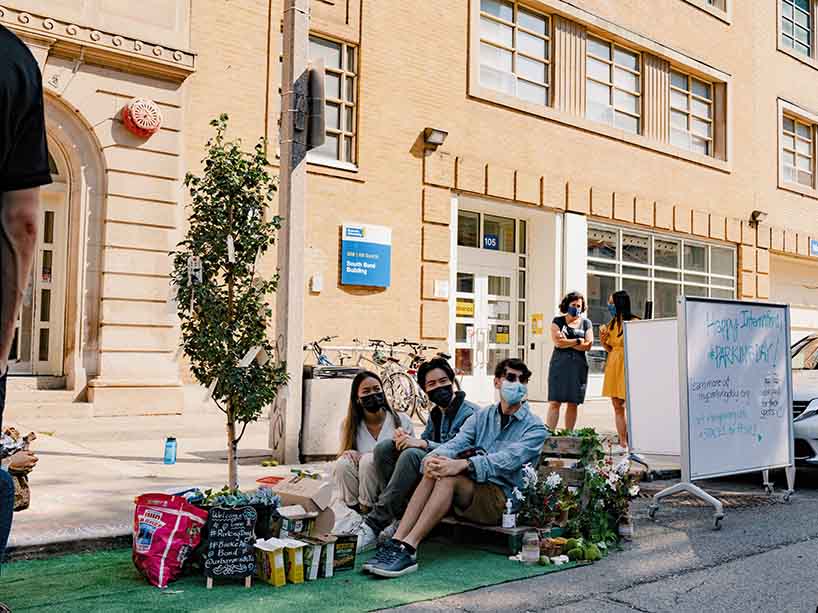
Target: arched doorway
(40,331)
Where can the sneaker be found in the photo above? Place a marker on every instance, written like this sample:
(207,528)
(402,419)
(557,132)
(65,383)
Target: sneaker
(396,562)
(367,539)
(380,554)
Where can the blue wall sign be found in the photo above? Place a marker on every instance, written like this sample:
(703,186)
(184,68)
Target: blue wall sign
(491,241)
(813,247)
(366,255)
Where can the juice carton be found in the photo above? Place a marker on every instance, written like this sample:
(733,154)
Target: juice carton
(294,560)
(345,551)
(270,561)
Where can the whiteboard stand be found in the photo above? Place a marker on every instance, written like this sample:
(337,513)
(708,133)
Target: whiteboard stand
(639,459)
(768,486)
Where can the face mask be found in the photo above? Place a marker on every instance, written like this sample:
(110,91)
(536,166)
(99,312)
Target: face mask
(442,396)
(574,311)
(513,393)
(612,310)
(373,402)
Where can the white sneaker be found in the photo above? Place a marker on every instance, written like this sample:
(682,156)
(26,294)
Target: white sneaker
(367,539)
(388,532)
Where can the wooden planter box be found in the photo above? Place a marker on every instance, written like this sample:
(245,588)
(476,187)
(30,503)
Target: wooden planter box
(571,476)
(563,446)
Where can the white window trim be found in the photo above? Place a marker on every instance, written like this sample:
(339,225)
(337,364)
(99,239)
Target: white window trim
(605,29)
(810,117)
(812,59)
(725,15)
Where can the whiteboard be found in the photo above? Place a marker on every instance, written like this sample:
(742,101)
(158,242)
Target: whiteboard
(652,379)
(737,395)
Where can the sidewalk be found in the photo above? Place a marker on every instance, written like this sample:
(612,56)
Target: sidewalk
(90,470)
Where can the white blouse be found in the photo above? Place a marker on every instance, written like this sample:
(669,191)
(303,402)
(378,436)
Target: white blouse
(365,442)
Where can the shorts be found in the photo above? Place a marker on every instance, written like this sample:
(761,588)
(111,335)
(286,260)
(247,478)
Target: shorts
(487,505)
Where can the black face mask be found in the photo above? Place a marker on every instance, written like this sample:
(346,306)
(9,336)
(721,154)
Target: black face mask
(373,402)
(442,396)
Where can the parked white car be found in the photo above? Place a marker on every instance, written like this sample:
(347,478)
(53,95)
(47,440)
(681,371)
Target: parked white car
(805,399)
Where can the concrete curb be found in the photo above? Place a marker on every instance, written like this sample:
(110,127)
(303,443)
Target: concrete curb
(60,548)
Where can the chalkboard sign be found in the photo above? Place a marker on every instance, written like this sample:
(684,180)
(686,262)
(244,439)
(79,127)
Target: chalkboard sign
(738,377)
(231,539)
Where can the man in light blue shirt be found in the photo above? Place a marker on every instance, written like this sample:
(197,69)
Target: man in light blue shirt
(473,474)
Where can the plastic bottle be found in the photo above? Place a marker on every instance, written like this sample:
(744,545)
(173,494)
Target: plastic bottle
(509,518)
(170,450)
(531,548)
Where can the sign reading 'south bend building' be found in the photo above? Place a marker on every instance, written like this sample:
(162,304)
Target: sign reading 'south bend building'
(366,255)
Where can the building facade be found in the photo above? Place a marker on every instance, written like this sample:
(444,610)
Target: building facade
(590,146)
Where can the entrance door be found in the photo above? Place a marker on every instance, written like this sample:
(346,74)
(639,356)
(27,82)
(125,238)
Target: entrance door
(486,327)
(38,336)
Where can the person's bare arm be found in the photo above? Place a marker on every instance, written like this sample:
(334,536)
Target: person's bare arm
(558,338)
(587,343)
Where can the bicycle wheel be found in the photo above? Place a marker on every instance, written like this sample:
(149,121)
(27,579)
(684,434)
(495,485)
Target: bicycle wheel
(400,392)
(422,406)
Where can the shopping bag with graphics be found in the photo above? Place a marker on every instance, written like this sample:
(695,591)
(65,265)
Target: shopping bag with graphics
(166,530)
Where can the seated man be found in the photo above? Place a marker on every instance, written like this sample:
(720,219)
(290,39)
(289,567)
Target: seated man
(397,462)
(499,441)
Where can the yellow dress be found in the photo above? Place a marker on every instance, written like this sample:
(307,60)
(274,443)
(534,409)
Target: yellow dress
(613,385)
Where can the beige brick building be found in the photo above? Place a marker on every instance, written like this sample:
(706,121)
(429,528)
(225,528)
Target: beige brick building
(591,145)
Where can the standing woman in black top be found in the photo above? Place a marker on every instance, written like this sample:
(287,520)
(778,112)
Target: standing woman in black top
(572,335)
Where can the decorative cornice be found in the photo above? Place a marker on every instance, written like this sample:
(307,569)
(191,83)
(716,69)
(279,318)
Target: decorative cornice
(99,47)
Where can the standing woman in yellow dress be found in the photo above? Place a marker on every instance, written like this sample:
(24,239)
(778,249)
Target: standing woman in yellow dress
(613,340)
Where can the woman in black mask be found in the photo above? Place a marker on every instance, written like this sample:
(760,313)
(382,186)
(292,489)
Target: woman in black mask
(369,420)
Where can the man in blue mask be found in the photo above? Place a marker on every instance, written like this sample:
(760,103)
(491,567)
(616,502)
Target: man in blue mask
(473,474)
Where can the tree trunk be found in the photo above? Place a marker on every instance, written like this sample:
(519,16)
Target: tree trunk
(232,450)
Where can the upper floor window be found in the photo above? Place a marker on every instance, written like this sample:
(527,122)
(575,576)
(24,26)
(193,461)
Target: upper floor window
(691,113)
(340,87)
(515,50)
(719,4)
(796,25)
(798,152)
(612,86)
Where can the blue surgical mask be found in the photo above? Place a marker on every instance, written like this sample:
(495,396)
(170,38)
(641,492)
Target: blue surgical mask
(574,311)
(612,310)
(513,392)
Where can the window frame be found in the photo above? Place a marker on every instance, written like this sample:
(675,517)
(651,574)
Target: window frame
(611,84)
(514,49)
(691,96)
(811,59)
(722,13)
(346,101)
(603,28)
(804,116)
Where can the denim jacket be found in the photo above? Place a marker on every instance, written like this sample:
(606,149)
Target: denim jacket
(450,421)
(507,450)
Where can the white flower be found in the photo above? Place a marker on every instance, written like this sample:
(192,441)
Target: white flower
(518,494)
(633,491)
(623,466)
(553,480)
(530,477)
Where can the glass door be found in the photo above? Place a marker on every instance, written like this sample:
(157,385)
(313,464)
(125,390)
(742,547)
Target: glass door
(38,337)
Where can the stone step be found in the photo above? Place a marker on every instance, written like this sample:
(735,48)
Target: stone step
(15,396)
(25,383)
(21,411)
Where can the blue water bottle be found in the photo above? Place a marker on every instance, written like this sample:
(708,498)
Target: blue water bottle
(170,450)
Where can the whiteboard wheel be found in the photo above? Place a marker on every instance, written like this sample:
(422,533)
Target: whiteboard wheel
(769,488)
(717,522)
(787,496)
(652,511)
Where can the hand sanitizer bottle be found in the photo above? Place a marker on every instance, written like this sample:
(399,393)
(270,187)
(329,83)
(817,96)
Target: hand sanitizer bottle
(509,518)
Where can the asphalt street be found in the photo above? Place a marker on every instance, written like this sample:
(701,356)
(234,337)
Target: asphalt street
(764,558)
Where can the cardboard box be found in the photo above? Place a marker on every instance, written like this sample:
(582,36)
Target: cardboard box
(328,558)
(313,495)
(319,556)
(270,561)
(294,560)
(346,546)
(295,521)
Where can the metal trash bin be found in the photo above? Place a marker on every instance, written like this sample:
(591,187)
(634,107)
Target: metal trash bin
(325,401)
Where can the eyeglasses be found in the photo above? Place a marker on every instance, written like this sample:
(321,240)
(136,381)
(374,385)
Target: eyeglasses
(513,377)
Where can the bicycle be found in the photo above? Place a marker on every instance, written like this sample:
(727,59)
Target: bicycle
(318,351)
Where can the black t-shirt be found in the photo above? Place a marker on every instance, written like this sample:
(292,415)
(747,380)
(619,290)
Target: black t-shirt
(23,149)
(570,332)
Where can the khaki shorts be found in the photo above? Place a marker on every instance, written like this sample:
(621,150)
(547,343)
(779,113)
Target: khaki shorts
(486,506)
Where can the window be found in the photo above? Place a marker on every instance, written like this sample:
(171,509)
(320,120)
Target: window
(340,86)
(612,85)
(798,152)
(691,113)
(651,268)
(515,50)
(719,4)
(497,234)
(796,25)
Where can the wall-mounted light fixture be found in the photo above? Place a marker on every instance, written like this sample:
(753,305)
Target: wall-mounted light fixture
(434,137)
(756,217)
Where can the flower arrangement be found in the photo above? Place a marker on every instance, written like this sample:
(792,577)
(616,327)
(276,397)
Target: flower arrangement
(541,500)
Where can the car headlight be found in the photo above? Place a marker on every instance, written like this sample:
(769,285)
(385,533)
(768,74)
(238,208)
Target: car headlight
(810,411)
